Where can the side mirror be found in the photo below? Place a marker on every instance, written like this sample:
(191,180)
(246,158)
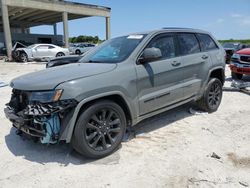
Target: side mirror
(150,54)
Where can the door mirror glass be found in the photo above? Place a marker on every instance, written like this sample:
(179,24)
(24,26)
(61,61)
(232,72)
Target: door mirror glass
(150,54)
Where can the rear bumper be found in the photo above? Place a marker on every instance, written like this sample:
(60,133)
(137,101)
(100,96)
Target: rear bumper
(240,69)
(20,124)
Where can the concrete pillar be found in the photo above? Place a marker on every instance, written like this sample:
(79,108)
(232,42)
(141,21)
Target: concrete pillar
(6,30)
(55,29)
(65,29)
(23,30)
(107,28)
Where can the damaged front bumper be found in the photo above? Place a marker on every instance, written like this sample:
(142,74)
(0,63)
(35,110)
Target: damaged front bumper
(21,124)
(45,121)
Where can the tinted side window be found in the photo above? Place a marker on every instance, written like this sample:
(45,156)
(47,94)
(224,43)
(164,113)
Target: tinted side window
(188,43)
(165,44)
(51,47)
(207,43)
(43,47)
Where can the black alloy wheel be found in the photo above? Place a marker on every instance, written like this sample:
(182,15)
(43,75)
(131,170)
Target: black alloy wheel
(212,96)
(103,129)
(99,129)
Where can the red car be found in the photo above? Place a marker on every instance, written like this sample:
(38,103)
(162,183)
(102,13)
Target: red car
(240,63)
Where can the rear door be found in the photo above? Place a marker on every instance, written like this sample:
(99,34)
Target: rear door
(159,83)
(52,51)
(194,63)
(209,46)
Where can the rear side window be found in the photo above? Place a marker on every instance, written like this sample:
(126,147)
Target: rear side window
(207,43)
(188,43)
(165,44)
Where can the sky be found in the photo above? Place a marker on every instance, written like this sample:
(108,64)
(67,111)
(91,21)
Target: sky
(225,19)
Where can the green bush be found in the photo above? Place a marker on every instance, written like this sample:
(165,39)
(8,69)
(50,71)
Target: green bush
(243,41)
(83,38)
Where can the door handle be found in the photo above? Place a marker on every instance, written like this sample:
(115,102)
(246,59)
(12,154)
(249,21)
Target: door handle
(204,57)
(175,63)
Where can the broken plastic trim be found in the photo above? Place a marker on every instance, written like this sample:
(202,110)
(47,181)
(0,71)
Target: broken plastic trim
(44,109)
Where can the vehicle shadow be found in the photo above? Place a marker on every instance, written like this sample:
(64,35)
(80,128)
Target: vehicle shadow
(64,154)
(163,119)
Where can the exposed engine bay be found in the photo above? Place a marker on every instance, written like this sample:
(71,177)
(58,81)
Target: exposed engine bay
(43,121)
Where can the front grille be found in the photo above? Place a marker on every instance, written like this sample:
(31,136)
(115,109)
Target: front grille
(245,58)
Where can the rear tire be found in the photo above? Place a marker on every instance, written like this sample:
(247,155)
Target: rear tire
(212,96)
(99,129)
(78,52)
(60,54)
(236,76)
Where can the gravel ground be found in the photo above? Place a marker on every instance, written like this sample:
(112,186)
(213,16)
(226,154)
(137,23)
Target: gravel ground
(172,149)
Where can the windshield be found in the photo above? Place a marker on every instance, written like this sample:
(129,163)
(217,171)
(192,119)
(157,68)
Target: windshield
(230,45)
(115,50)
(31,46)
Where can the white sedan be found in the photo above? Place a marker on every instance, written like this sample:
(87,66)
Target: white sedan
(39,51)
(81,48)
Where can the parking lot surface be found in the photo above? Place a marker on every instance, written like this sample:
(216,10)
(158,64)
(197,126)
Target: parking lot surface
(173,149)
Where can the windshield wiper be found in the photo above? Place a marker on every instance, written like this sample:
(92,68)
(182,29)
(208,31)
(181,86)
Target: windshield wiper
(92,61)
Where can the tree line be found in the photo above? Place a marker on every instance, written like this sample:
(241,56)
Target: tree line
(243,41)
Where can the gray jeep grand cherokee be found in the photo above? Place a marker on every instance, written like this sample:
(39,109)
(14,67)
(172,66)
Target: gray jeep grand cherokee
(121,82)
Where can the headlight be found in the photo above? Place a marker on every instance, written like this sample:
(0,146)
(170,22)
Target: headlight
(236,56)
(46,96)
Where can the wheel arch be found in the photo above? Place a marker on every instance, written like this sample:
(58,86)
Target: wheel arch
(60,52)
(218,72)
(118,98)
(21,52)
(77,49)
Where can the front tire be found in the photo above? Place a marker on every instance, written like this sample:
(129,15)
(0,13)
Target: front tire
(236,76)
(99,129)
(23,57)
(212,96)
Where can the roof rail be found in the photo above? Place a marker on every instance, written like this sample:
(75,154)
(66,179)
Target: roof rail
(175,28)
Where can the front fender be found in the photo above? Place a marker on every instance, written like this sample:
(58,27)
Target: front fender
(68,132)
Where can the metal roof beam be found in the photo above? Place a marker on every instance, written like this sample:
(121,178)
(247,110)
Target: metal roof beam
(31,15)
(22,13)
(41,17)
(73,8)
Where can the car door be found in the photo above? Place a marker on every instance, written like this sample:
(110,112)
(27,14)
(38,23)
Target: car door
(41,51)
(159,83)
(208,46)
(194,63)
(52,51)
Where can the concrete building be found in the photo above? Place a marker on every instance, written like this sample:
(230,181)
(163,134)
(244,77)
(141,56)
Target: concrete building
(19,15)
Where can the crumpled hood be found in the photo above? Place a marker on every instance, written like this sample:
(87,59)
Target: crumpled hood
(48,79)
(21,48)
